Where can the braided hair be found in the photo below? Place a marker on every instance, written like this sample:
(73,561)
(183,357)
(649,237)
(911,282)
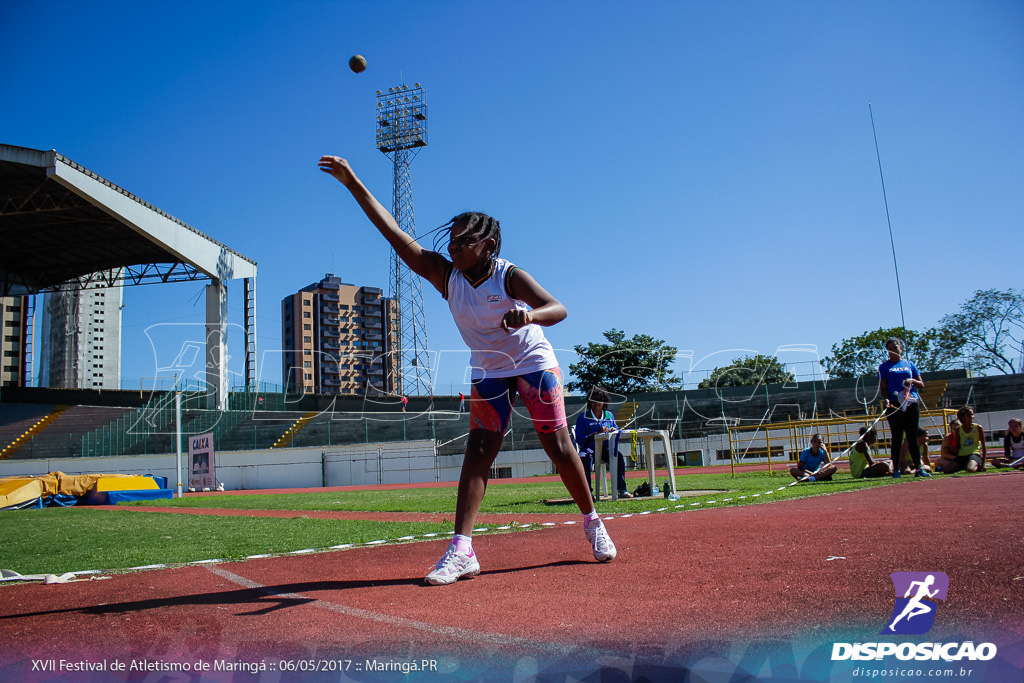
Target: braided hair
(479,226)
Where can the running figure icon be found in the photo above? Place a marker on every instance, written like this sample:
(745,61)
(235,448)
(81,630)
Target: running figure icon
(915,607)
(920,591)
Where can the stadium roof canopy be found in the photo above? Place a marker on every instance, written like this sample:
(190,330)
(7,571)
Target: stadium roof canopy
(62,227)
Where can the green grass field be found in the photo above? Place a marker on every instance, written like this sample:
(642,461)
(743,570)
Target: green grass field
(520,497)
(58,540)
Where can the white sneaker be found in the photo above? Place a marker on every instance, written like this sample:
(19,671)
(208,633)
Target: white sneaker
(452,566)
(604,549)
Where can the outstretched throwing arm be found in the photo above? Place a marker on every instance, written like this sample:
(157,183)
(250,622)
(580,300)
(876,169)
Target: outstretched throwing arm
(427,264)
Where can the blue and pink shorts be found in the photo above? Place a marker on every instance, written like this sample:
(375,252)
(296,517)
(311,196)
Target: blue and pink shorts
(492,400)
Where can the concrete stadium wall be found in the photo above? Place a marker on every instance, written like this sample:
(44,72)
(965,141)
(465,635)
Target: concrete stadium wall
(403,462)
(159,465)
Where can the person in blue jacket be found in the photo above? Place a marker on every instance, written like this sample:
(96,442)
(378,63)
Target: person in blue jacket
(898,381)
(596,420)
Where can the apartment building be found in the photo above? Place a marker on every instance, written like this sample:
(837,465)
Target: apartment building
(81,338)
(14,331)
(339,338)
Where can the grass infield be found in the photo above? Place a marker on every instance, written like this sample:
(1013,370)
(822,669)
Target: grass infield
(529,497)
(58,540)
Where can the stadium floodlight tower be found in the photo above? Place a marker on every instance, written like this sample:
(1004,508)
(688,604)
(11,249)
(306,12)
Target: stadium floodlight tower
(401,132)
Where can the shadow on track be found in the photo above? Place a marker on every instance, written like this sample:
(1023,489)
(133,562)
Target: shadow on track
(265,599)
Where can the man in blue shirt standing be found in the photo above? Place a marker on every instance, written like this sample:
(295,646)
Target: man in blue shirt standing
(814,463)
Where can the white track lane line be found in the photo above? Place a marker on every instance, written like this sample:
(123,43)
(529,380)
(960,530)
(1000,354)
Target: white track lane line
(378,542)
(454,632)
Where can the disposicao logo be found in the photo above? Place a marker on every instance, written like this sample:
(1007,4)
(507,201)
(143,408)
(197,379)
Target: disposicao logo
(916,593)
(913,614)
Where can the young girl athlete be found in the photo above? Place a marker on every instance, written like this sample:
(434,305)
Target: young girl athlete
(499,310)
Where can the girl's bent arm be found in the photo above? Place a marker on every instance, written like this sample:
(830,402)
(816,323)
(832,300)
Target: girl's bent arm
(427,264)
(547,310)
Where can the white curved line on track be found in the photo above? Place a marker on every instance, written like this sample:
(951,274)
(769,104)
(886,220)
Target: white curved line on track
(391,620)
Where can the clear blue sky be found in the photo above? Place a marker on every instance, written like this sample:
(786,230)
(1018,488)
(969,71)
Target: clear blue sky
(703,172)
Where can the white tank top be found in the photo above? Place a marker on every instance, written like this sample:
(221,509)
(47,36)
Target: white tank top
(478,309)
(1016,447)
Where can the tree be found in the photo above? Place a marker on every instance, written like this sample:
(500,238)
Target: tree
(749,371)
(861,355)
(987,330)
(624,366)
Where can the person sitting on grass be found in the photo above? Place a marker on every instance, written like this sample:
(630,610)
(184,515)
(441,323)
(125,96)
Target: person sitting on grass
(814,463)
(922,444)
(862,464)
(950,447)
(966,450)
(1013,446)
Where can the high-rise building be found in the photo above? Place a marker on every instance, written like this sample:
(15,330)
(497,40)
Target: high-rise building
(339,338)
(81,338)
(14,330)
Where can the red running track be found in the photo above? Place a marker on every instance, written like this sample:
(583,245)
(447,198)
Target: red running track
(763,588)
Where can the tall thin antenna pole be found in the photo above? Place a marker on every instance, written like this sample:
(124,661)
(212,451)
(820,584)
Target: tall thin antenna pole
(899,292)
